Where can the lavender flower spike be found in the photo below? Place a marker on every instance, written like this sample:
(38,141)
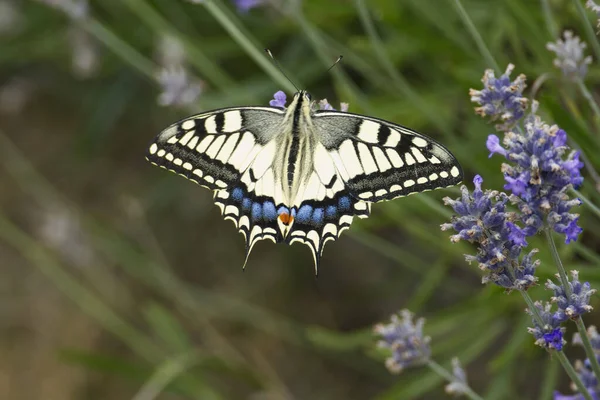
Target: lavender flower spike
(459,385)
(591,4)
(550,334)
(569,56)
(246,5)
(540,175)
(482,219)
(501,99)
(589,381)
(594,337)
(324,105)
(405,339)
(571,307)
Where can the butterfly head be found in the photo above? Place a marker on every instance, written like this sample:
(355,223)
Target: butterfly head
(303,96)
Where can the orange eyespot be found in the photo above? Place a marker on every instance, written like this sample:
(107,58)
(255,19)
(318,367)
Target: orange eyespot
(286,219)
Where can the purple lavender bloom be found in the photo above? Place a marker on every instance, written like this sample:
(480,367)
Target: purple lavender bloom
(594,337)
(279,99)
(501,99)
(589,381)
(404,338)
(541,175)
(247,5)
(324,105)
(482,219)
(575,305)
(550,334)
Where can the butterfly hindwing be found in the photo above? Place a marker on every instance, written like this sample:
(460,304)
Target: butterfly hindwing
(323,208)
(380,161)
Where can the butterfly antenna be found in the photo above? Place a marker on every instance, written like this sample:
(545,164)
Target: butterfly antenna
(276,63)
(335,63)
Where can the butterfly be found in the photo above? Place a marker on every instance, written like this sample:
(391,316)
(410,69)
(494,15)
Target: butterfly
(299,174)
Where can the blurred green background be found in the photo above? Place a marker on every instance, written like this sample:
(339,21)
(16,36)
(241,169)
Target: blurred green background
(120,280)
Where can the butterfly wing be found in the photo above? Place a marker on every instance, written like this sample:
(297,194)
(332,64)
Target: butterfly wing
(230,151)
(379,160)
(324,207)
(359,161)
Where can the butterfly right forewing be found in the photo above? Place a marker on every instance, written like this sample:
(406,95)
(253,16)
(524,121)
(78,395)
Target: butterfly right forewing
(380,161)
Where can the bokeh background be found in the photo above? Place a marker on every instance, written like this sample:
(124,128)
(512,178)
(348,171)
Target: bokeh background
(120,280)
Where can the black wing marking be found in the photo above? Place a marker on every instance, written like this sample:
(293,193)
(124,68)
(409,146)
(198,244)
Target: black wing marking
(380,161)
(230,151)
(215,148)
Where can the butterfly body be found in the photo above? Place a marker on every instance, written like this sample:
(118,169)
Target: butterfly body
(299,174)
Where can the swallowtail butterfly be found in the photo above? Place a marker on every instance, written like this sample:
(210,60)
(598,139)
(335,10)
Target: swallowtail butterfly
(298,174)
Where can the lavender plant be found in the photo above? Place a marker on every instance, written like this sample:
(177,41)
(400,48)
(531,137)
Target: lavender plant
(407,347)
(540,171)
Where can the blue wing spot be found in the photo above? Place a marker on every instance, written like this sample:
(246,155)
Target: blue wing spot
(344,203)
(304,213)
(237,194)
(256,211)
(331,212)
(293,213)
(317,216)
(246,204)
(283,210)
(269,211)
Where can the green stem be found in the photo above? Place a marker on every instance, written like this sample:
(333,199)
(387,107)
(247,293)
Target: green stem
(121,48)
(559,265)
(561,356)
(208,69)
(244,40)
(444,373)
(550,23)
(573,374)
(588,96)
(587,202)
(565,284)
(589,29)
(532,308)
(388,65)
(485,52)
(589,351)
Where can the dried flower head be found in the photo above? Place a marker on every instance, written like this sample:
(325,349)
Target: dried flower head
(594,337)
(594,8)
(404,338)
(178,88)
(501,99)
(459,385)
(569,56)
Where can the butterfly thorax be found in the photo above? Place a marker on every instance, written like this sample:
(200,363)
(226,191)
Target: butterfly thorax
(295,156)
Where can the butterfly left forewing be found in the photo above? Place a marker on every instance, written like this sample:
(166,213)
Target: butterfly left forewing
(215,148)
(380,161)
(230,151)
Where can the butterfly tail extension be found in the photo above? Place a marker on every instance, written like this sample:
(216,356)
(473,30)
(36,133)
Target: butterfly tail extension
(318,222)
